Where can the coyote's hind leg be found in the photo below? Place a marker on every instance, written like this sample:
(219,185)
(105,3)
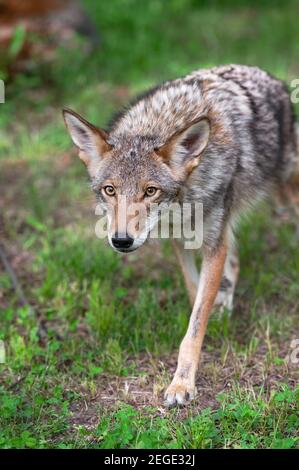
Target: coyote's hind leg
(225,296)
(186,259)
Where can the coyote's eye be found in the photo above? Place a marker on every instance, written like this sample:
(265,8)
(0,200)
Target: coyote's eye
(109,190)
(150,191)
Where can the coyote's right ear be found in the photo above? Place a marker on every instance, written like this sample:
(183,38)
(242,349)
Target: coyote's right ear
(90,140)
(185,148)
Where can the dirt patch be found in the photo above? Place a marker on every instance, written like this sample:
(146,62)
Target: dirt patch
(145,389)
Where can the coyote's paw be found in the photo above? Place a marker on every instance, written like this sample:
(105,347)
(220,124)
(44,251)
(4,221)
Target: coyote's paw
(224,301)
(179,393)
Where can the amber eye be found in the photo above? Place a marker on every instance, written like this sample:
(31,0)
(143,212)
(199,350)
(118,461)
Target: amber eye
(150,191)
(109,190)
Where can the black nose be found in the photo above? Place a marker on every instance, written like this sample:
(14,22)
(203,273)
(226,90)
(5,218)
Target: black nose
(122,241)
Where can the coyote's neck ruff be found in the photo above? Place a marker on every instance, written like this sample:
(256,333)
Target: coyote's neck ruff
(223,137)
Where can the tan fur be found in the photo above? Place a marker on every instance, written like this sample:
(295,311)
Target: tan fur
(182,387)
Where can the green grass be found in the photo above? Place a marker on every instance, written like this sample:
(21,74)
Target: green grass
(86,366)
(244,419)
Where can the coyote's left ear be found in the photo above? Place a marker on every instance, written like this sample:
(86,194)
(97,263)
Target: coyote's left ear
(90,140)
(185,148)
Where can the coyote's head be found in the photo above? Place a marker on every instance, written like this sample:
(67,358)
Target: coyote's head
(133,174)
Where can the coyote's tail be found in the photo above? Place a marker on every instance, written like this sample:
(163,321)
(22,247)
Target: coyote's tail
(289,195)
(296,169)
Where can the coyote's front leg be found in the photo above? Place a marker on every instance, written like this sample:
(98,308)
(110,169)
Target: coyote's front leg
(182,387)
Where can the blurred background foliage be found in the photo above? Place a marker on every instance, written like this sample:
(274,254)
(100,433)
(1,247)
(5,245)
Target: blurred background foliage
(142,42)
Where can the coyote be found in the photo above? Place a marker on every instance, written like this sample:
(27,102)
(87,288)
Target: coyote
(225,137)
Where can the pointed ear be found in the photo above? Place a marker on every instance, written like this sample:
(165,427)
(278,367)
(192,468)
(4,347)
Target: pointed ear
(90,140)
(186,147)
